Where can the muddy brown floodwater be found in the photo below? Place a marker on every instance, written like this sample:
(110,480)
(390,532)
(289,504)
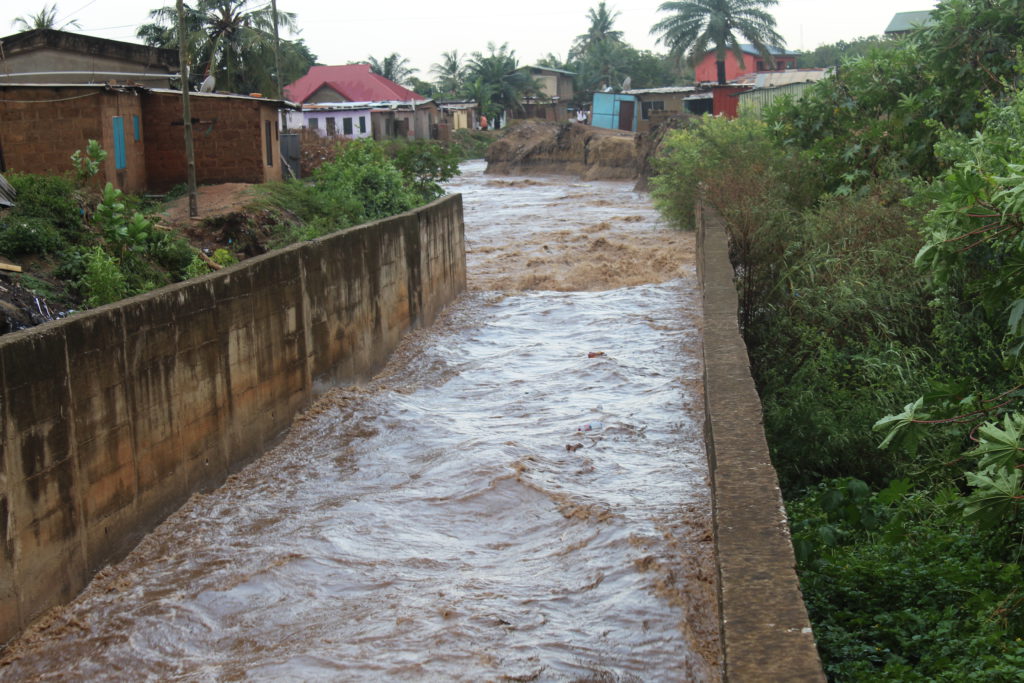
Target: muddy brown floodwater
(520,495)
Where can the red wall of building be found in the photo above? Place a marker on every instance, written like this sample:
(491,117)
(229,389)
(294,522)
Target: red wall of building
(707,69)
(725,102)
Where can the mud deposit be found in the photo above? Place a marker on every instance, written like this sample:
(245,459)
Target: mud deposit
(521,495)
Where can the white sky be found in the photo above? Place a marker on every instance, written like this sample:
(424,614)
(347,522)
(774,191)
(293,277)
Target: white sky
(421,30)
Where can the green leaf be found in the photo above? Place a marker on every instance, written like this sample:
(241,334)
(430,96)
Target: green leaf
(995,496)
(897,423)
(999,447)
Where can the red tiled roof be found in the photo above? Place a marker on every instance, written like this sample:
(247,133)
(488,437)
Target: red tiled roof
(354,82)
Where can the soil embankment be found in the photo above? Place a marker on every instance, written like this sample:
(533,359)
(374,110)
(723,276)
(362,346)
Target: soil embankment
(544,147)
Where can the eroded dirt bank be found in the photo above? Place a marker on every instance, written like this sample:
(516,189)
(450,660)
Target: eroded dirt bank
(535,147)
(521,495)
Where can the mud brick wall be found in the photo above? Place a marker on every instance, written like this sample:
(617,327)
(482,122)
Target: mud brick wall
(766,635)
(229,136)
(41,127)
(111,418)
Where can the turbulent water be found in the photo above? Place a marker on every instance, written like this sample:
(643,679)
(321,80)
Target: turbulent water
(520,495)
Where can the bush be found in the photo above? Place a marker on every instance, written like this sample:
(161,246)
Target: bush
(50,198)
(472,144)
(172,253)
(103,281)
(365,183)
(898,588)
(425,164)
(836,336)
(27,235)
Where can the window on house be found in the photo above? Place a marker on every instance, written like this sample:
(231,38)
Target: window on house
(760,66)
(270,143)
(136,128)
(120,152)
(647,107)
(313,124)
(362,124)
(346,126)
(332,125)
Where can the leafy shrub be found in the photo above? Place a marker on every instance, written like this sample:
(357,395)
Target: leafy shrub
(471,144)
(365,182)
(103,282)
(899,589)
(171,252)
(87,164)
(425,164)
(223,257)
(196,267)
(361,184)
(51,198)
(27,235)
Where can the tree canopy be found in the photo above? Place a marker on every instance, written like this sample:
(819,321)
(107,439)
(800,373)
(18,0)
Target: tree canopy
(695,27)
(394,67)
(232,40)
(45,18)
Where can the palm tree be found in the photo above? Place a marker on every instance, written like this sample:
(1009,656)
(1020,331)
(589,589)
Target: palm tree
(450,72)
(224,37)
(599,33)
(394,67)
(47,18)
(696,25)
(499,71)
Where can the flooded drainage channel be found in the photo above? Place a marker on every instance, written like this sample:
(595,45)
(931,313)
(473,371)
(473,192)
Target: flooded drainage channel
(521,495)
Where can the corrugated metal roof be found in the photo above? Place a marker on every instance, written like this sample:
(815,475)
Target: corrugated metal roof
(671,90)
(354,82)
(751,50)
(908,21)
(549,68)
(7,192)
(775,79)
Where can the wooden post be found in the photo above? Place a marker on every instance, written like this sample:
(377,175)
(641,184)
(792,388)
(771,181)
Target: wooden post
(277,52)
(186,112)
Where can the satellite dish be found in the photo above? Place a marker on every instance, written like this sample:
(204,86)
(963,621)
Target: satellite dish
(626,83)
(208,84)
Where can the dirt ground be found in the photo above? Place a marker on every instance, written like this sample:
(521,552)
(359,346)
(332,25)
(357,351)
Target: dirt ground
(212,200)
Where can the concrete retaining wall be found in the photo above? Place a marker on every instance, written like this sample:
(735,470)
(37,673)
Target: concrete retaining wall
(110,419)
(766,635)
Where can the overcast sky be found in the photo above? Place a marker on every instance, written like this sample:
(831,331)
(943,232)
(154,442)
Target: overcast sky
(420,30)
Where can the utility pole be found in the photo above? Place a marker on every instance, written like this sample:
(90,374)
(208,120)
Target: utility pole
(186,112)
(277,52)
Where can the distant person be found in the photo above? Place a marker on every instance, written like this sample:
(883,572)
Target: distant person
(483,122)
(581,116)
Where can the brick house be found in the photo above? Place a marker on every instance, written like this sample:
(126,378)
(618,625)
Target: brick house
(706,70)
(236,138)
(41,125)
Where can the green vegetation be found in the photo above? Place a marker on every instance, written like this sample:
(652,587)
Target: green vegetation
(876,228)
(89,247)
(232,40)
(692,27)
(364,181)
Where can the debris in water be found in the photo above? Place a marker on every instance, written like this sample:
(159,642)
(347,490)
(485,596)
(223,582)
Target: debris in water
(590,426)
(573,447)
(595,354)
